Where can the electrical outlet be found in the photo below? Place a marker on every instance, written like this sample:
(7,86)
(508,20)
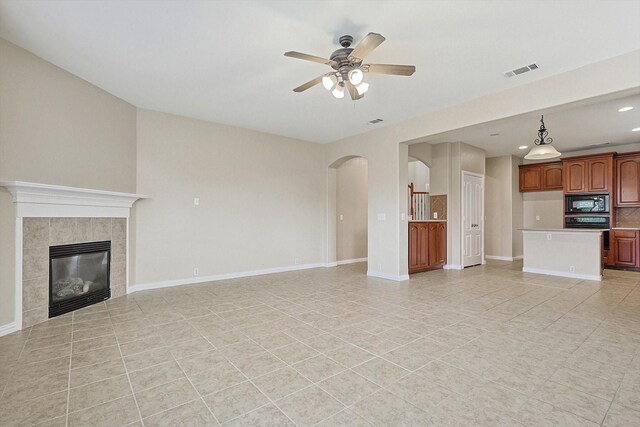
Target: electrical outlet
(549,236)
(297,261)
(196,201)
(402,216)
(196,271)
(435,215)
(537,217)
(341,217)
(379,267)
(572,269)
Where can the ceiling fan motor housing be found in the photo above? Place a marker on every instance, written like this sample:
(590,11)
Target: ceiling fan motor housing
(346,40)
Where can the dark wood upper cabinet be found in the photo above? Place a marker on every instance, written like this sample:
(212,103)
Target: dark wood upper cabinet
(628,180)
(541,177)
(574,176)
(530,178)
(589,174)
(427,245)
(552,176)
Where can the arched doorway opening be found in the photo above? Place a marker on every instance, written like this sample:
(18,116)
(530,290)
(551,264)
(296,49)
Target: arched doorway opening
(418,187)
(348,215)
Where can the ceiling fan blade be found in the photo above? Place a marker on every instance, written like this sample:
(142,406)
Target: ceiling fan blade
(353,92)
(312,58)
(396,70)
(366,45)
(309,84)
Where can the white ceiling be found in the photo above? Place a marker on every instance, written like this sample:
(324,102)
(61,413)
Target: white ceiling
(572,127)
(223,60)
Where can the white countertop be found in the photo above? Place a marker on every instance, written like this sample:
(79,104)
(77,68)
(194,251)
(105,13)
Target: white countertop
(626,228)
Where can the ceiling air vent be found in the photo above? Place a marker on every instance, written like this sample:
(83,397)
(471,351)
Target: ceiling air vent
(374,121)
(521,70)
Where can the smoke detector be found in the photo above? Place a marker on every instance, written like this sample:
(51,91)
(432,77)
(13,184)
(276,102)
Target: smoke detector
(521,70)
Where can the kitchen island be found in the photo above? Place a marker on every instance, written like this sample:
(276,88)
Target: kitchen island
(572,253)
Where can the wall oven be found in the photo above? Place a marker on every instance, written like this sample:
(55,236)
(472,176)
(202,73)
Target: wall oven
(586,204)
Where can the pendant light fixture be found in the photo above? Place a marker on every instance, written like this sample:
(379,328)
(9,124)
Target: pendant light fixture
(542,149)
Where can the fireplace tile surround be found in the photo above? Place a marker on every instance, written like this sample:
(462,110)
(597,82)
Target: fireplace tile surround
(52,215)
(40,233)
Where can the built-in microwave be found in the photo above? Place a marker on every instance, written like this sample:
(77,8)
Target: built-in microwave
(586,203)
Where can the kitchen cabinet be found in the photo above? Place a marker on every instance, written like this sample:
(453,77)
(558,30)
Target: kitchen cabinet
(427,245)
(541,177)
(628,180)
(625,248)
(588,174)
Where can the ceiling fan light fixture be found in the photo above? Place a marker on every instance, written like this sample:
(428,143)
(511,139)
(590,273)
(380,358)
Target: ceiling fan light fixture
(362,88)
(338,92)
(356,76)
(329,81)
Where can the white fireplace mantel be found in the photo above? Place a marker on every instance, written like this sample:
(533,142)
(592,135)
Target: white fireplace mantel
(44,200)
(55,201)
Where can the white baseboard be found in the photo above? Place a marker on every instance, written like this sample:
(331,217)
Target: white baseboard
(351,261)
(194,280)
(386,276)
(452,267)
(331,264)
(562,274)
(9,328)
(503,258)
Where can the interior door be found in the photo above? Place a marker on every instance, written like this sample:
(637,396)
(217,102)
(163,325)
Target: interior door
(472,224)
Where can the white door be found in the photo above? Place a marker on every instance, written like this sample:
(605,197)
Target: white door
(472,224)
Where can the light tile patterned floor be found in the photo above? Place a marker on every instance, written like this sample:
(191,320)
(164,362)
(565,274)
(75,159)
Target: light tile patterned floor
(485,346)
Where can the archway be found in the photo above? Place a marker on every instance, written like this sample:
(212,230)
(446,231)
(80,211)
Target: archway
(348,217)
(418,189)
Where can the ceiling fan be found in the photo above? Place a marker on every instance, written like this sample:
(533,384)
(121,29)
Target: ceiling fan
(348,67)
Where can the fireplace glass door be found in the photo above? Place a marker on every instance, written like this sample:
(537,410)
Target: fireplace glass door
(78,276)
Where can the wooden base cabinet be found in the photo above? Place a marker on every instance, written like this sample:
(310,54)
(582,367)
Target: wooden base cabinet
(427,245)
(626,248)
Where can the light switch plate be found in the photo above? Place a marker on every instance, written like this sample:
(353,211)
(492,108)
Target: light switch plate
(382,217)
(196,201)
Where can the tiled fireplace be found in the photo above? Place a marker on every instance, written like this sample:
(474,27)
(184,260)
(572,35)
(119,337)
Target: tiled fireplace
(40,234)
(71,248)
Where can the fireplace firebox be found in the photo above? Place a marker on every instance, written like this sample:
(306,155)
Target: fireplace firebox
(78,276)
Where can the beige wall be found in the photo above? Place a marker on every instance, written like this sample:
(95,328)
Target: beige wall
(503,208)
(351,205)
(498,207)
(262,200)
(56,128)
(419,175)
(7,258)
(517,205)
(547,205)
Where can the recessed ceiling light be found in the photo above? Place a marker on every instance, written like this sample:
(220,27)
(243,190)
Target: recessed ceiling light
(635,130)
(623,109)
(523,147)
(494,134)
